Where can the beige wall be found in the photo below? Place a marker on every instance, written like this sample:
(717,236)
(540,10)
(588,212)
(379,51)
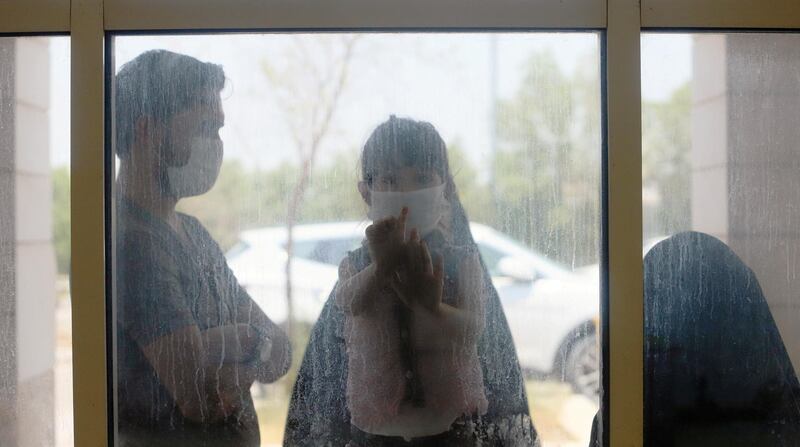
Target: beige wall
(28,283)
(746,160)
(8,361)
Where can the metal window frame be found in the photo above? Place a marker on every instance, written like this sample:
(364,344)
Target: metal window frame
(88,22)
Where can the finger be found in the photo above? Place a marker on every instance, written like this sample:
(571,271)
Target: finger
(371,230)
(427,264)
(398,291)
(414,235)
(438,273)
(438,269)
(409,257)
(401,222)
(416,253)
(415,256)
(378,228)
(403,215)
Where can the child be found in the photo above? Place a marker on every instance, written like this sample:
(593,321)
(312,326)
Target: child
(412,348)
(410,325)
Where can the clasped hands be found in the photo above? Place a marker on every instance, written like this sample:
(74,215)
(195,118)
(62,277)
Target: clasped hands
(405,265)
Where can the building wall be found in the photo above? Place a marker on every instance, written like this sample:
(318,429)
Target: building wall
(746,162)
(28,287)
(8,291)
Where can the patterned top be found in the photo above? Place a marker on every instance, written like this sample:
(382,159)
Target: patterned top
(411,375)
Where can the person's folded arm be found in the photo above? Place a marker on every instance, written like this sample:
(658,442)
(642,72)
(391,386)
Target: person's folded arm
(261,335)
(180,362)
(154,311)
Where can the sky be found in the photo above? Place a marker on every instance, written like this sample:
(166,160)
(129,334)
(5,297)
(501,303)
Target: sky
(444,78)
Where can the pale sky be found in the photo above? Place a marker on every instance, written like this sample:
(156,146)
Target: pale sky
(443,78)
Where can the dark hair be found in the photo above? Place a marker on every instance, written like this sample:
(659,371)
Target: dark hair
(403,142)
(159,84)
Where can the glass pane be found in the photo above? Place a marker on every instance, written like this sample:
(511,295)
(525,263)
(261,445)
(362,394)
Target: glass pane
(721,196)
(491,141)
(35,317)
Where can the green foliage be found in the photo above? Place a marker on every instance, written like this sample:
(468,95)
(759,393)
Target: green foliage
(666,142)
(547,172)
(548,163)
(250,198)
(61,218)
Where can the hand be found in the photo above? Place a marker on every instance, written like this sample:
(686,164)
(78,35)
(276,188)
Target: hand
(230,388)
(231,343)
(385,240)
(420,283)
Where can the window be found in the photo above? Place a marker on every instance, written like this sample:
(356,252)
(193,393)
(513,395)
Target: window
(35,308)
(721,340)
(330,251)
(306,121)
(636,165)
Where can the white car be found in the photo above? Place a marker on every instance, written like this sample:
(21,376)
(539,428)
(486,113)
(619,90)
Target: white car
(550,310)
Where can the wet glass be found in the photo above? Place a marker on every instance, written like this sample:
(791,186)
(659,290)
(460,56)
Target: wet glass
(35,317)
(720,171)
(268,286)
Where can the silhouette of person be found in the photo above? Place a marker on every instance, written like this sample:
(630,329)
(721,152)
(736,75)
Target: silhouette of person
(412,347)
(190,341)
(716,369)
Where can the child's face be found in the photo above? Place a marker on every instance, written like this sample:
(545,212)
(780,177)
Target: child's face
(406,179)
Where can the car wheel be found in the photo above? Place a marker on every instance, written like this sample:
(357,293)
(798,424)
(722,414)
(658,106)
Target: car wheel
(583,366)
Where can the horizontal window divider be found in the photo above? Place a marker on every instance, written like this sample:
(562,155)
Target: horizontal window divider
(34,16)
(721,14)
(152,15)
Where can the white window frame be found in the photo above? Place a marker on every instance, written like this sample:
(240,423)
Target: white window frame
(88,21)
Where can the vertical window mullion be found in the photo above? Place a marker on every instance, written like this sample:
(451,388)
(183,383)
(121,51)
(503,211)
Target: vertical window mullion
(624,278)
(88,221)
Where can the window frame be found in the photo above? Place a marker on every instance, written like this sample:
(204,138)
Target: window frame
(90,22)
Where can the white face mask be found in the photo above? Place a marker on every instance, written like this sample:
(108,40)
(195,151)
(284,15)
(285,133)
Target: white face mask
(200,173)
(425,207)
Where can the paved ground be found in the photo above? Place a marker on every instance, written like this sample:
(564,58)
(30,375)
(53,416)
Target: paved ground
(63,371)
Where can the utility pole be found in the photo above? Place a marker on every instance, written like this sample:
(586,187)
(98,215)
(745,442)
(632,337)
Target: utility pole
(493,120)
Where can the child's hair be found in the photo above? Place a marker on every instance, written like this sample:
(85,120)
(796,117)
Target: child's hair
(403,142)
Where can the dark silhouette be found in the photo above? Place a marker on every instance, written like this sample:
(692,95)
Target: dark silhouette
(716,369)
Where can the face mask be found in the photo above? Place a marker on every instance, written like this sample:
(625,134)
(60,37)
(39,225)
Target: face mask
(200,173)
(425,207)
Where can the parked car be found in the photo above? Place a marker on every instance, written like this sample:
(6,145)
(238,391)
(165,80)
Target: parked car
(550,310)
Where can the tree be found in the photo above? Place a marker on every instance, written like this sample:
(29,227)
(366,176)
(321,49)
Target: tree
(548,163)
(308,88)
(474,194)
(666,142)
(61,218)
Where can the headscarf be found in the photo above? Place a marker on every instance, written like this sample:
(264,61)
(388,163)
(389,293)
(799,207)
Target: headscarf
(716,369)
(318,413)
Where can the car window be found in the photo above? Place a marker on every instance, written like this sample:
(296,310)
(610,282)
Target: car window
(237,249)
(491,257)
(327,251)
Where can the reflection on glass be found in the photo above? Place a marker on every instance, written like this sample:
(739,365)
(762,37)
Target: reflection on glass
(721,338)
(469,316)
(35,327)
